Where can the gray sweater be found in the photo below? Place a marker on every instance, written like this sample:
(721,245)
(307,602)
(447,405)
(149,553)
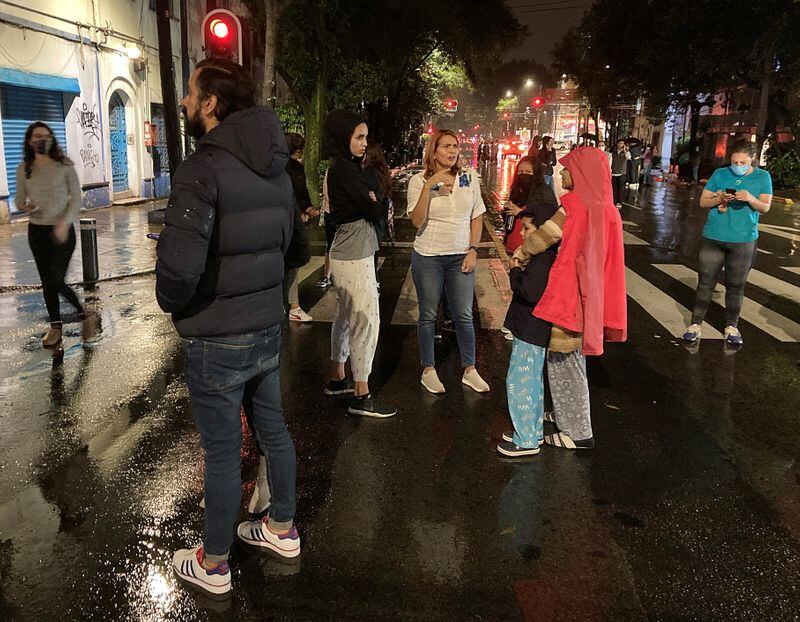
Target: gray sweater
(52,193)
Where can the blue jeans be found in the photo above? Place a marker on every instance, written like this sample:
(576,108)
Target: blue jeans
(525,392)
(432,275)
(223,374)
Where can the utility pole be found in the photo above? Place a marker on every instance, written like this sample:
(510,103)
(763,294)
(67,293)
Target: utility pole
(168,84)
(185,61)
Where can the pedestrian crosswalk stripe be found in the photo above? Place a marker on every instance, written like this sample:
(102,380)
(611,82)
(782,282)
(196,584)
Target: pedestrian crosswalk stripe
(779,232)
(672,315)
(772,323)
(794,269)
(406,312)
(314,264)
(774,286)
(631,240)
(493,292)
(325,309)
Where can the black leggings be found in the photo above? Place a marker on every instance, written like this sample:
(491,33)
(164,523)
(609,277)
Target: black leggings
(52,261)
(618,187)
(737,258)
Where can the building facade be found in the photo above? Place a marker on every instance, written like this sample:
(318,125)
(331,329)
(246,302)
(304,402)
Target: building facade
(90,70)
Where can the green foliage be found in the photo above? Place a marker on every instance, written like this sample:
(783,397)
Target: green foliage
(291,117)
(784,167)
(507,103)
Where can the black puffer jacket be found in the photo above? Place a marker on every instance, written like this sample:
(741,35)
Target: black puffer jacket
(228,225)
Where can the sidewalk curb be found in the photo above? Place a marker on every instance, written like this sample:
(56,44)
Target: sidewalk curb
(6,289)
(785,200)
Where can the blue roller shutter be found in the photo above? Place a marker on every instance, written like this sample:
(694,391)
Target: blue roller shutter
(20,107)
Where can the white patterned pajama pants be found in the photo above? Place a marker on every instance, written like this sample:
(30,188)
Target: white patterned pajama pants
(357,321)
(569,388)
(525,392)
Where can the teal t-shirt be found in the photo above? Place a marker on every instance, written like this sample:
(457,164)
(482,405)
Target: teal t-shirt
(740,222)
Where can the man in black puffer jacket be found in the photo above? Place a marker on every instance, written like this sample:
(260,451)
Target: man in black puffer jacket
(220,273)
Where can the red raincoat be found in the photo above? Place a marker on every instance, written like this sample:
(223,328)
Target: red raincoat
(586,289)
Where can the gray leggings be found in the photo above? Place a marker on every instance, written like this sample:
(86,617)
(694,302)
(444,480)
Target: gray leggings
(737,258)
(569,388)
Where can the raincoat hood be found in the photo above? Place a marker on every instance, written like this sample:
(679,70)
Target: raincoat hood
(253,136)
(591,177)
(339,128)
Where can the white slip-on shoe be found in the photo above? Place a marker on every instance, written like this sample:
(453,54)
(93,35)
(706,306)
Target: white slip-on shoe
(473,380)
(430,380)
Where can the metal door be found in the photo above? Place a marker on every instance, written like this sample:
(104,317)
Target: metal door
(119,143)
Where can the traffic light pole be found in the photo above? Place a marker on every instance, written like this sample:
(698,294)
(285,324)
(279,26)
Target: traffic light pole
(168,84)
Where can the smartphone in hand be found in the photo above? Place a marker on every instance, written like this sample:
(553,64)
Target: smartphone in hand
(153,236)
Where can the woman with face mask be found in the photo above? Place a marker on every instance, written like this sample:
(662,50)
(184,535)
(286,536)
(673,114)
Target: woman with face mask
(735,196)
(49,190)
(528,188)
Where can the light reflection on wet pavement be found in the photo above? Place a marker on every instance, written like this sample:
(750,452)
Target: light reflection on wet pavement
(689,507)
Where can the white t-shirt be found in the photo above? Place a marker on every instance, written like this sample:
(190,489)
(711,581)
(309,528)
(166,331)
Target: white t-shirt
(447,228)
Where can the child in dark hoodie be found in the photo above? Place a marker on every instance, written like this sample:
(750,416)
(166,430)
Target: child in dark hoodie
(354,210)
(524,381)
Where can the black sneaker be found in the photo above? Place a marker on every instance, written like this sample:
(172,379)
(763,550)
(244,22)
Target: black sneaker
(339,387)
(368,406)
(514,451)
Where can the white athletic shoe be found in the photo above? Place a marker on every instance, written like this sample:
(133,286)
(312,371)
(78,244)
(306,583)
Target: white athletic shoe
(187,565)
(473,380)
(430,380)
(298,315)
(255,533)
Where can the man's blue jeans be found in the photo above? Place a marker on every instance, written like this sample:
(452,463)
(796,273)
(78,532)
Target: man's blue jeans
(432,275)
(224,374)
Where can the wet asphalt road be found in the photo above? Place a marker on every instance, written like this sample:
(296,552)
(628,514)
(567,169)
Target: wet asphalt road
(688,509)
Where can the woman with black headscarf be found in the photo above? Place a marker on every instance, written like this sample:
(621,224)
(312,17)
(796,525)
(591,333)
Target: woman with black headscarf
(354,210)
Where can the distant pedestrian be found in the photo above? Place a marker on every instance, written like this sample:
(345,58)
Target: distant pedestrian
(379,180)
(298,254)
(536,145)
(49,191)
(220,272)
(697,158)
(547,155)
(735,196)
(330,231)
(355,211)
(619,170)
(634,164)
(446,207)
(647,162)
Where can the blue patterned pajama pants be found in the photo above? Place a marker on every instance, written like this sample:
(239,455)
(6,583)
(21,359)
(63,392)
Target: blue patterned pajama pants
(525,391)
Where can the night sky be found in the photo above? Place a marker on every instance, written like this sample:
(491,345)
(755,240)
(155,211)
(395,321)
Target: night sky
(547,21)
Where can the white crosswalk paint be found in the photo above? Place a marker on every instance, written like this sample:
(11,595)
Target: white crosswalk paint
(325,309)
(493,292)
(631,240)
(406,312)
(672,315)
(774,286)
(772,323)
(794,269)
(778,231)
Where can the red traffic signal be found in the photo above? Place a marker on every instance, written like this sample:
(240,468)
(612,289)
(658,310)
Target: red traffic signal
(506,115)
(537,102)
(222,35)
(451,105)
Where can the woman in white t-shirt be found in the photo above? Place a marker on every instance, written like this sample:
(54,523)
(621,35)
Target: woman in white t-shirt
(446,207)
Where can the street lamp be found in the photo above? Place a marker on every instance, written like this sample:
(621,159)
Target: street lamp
(509,94)
(528,83)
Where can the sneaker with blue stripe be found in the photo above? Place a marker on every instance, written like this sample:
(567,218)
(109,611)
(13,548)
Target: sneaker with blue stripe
(257,533)
(188,566)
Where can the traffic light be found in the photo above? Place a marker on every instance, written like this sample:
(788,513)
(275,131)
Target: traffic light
(506,115)
(537,102)
(222,35)
(451,105)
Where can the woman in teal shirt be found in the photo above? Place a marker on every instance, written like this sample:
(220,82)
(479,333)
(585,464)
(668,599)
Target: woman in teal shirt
(735,196)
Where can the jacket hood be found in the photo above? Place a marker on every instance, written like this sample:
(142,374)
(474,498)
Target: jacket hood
(339,127)
(255,137)
(591,176)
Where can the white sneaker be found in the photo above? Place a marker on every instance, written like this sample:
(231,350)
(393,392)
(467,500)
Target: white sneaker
(474,381)
(505,331)
(259,501)
(733,336)
(298,315)
(692,333)
(430,380)
(256,533)
(187,565)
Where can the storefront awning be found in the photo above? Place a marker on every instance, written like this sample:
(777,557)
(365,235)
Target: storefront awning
(43,81)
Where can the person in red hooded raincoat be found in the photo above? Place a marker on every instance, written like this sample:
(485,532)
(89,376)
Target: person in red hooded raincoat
(585,299)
